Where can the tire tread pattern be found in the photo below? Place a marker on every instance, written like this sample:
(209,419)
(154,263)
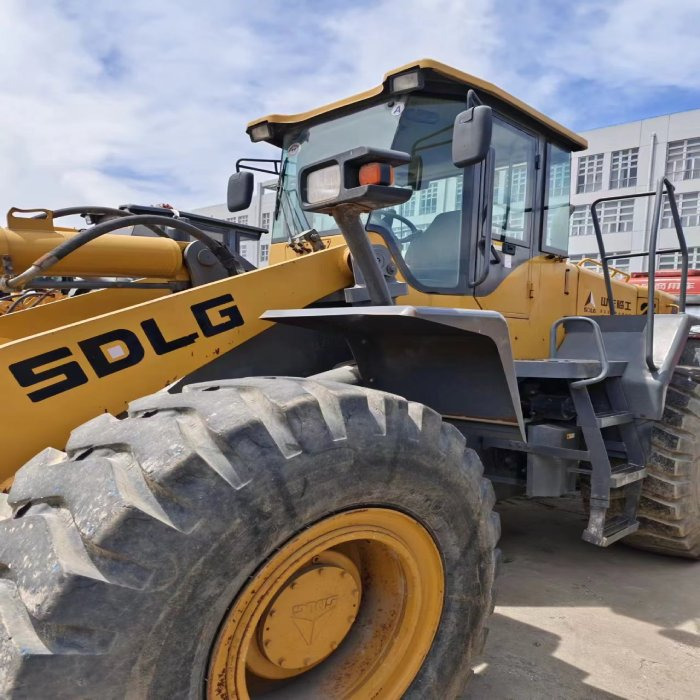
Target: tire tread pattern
(82,532)
(669,508)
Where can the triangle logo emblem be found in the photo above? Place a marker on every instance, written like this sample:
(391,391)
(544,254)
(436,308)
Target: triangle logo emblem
(590,301)
(306,628)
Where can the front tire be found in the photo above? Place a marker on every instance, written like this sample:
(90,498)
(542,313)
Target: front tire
(126,557)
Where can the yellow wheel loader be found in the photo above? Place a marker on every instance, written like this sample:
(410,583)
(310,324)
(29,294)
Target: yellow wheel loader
(227,482)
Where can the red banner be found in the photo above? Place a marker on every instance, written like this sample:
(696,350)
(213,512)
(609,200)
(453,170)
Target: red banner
(669,281)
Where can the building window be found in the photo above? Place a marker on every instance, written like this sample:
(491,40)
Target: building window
(428,199)
(264,251)
(408,209)
(509,199)
(683,160)
(518,183)
(616,216)
(459,187)
(688,208)
(242,219)
(672,261)
(590,173)
(557,202)
(623,168)
(575,259)
(581,224)
(560,179)
(265,221)
(622,264)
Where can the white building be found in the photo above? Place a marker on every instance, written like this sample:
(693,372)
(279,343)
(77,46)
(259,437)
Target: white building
(630,158)
(259,213)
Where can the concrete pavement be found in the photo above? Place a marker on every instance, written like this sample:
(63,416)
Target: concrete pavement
(576,621)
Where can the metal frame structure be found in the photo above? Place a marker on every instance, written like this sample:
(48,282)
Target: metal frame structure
(664,184)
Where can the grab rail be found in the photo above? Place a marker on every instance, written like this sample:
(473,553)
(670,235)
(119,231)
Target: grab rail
(597,334)
(615,270)
(663,184)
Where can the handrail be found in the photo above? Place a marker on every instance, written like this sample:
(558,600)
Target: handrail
(604,364)
(651,301)
(615,270)
(662,184)
(489,167)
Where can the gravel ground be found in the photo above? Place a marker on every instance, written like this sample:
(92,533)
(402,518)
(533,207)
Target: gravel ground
(576,621)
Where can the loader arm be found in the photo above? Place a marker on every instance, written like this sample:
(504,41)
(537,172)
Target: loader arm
(60,377)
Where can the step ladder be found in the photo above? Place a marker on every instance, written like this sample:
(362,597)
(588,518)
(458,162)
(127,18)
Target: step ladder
(614,463)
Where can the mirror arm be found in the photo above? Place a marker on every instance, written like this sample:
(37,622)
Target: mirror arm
(240,165)
(348,219)
(473,100)
(486,227)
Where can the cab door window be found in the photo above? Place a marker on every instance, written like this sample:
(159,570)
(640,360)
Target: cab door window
(556,207)
(514,182)
(427,229)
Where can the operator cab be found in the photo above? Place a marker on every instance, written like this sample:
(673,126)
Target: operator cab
(464,228)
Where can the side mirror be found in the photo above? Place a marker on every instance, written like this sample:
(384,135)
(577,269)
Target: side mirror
(240,190)
(471,136)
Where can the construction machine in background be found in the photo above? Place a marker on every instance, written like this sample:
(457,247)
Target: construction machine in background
(277,482)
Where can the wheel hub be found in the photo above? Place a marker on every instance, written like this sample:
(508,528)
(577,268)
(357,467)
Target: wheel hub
(347,608)
(310,617)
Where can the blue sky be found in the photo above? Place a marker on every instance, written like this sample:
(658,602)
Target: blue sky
(114,101)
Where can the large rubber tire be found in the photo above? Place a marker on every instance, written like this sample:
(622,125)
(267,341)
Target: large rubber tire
(669,509)
(123,555)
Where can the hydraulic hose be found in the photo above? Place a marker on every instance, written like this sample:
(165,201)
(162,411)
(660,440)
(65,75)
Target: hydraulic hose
(222,253)
(104,211)
(82,211)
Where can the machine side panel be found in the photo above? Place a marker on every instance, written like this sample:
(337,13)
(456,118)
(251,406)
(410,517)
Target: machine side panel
(279,351)
(458,362)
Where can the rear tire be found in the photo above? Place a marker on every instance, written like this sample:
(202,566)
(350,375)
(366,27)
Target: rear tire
(669,508)
(123,555)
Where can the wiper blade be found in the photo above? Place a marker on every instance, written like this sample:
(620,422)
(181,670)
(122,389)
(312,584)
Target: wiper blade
(293,215)
(280,187)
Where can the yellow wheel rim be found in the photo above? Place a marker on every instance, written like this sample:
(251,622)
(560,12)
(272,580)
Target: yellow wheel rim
(346,609)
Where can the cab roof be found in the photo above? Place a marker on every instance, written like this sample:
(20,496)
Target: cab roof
(440,73)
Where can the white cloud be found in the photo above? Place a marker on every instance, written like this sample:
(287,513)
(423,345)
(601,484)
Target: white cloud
(633,43)
(121,100)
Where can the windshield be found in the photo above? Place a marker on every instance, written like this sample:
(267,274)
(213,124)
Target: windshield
(375,126)
(427,228)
